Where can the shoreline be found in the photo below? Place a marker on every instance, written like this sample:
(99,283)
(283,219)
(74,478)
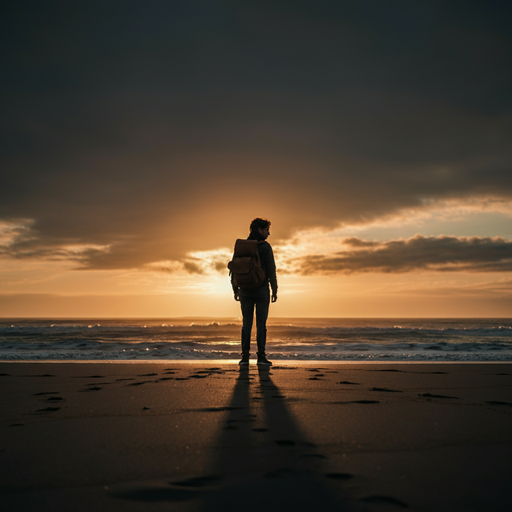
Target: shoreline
(235,361)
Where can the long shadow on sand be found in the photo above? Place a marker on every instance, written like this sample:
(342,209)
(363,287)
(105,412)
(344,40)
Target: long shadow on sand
(261,461)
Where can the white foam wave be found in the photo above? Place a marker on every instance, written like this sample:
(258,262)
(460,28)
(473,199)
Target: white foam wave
(449,340)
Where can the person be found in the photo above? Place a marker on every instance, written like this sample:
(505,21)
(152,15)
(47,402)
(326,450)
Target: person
(257,297)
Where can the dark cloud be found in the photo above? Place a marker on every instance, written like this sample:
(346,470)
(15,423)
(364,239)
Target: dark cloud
(192,267)
(159,128)
(36,251)
(443,253)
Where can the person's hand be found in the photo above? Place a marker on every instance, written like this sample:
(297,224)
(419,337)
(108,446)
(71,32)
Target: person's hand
(237,296)
(274,297)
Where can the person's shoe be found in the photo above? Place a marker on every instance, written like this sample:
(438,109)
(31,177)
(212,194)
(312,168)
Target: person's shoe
(263,361)
(244,360)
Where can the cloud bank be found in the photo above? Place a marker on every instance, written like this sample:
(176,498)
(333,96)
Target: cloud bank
(416,254)
(419,253)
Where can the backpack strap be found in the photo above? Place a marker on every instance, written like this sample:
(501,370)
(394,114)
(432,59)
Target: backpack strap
(245,248)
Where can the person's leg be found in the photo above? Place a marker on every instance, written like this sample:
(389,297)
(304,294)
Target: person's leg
(247,306)
(262,305)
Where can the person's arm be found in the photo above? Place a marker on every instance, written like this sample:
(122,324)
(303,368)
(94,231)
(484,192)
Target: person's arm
(270,268)
(236,290)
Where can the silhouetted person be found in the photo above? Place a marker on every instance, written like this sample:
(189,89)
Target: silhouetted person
(259,296)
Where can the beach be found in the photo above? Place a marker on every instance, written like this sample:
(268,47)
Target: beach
(199,436)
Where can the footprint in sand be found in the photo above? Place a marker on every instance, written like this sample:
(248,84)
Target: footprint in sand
(429,395)
(218,409)
(493,402)
(94,388)
(198,482)
(49,409)
(430,373)
(260,429)
(348,383)
(285,442)
(384,500)
(46,393)
(339,476)
(386,390)
(364,402)
(180,491)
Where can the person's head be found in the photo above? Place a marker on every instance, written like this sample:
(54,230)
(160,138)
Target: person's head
(262,226)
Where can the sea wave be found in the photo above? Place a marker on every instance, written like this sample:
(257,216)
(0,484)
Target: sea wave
(411,340)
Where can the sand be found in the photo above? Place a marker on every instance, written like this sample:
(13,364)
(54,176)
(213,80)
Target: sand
(207,436)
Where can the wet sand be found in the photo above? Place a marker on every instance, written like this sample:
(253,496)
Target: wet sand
(207,436)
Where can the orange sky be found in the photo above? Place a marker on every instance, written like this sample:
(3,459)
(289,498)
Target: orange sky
(401,281)
(139,141)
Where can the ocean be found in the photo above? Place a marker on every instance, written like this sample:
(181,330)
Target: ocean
(313,339)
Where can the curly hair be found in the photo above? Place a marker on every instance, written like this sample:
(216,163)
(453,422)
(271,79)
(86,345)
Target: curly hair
(259,223)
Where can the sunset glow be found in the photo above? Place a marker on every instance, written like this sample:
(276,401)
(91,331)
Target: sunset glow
(362,269)
(380,152)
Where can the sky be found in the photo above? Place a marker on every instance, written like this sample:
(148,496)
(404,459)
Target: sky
(139,139)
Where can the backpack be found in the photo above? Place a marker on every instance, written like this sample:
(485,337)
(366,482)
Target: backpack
(246,265)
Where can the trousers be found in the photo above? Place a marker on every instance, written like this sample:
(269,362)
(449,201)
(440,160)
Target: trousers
(249,299)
